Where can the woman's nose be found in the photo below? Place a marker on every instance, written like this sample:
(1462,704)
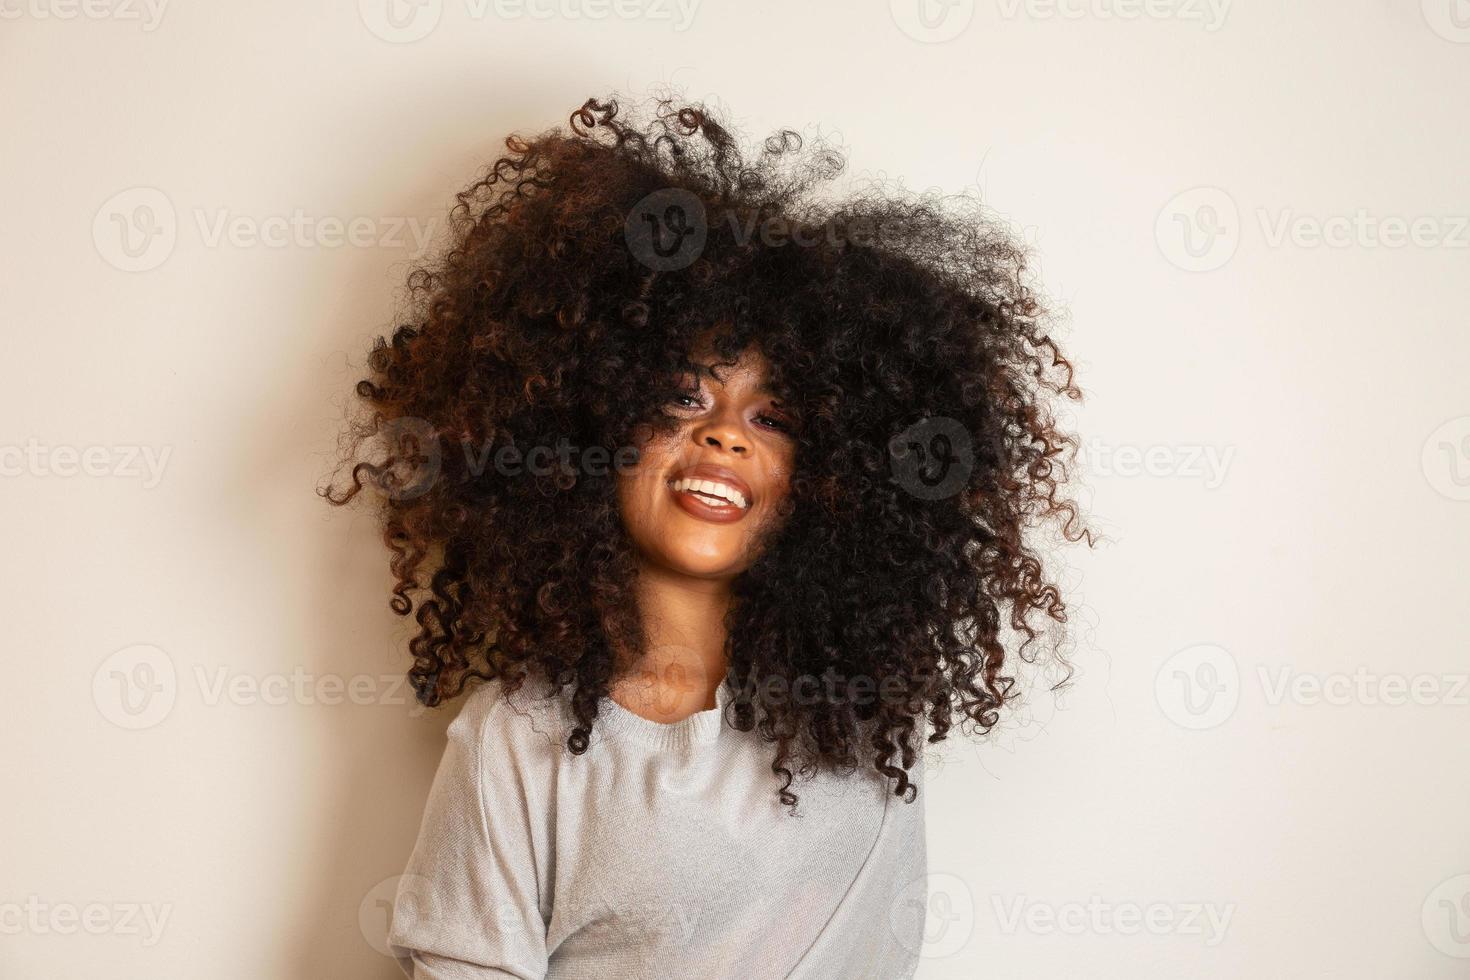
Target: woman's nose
(723,433)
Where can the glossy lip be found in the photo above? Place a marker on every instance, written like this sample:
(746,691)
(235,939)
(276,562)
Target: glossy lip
(715,513)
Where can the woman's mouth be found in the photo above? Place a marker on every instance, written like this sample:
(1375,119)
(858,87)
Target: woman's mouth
(711,493)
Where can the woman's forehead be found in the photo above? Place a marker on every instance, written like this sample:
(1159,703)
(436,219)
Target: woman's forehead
(751,367)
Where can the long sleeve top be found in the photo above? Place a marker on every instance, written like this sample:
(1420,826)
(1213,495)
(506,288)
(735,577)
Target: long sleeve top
(662,851)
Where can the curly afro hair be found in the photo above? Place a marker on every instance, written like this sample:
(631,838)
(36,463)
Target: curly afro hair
(581,270)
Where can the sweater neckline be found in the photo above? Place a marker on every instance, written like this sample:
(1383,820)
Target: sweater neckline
(699,728)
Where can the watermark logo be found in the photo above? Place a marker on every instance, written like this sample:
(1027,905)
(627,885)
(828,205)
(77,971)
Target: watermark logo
(408,894)
(1446,917)
(934,916)
(1450,19)
(831,687)
(932,458)
(407,456)
(135,230)
(37,459)
(1209,13)
(400,21)
(302,687)
(38,917)
(1362,229)
(413,458)
(1446,459)
(148,13)
(1199,229)
(666,684)
(135,687)
(1206,464)
(1363,687)
(1198,687)
(565,459)
(932,21)
(406,21)
(1101,917)
(666,231)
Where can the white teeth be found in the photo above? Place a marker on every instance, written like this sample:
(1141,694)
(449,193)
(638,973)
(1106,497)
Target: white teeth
(710,488)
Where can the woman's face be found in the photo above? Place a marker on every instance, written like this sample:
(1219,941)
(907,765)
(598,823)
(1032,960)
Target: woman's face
(701,496)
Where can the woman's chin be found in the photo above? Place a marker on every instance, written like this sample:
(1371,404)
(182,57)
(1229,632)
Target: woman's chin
(701,565)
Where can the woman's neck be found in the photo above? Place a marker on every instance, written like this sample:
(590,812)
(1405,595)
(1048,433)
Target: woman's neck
(683,662)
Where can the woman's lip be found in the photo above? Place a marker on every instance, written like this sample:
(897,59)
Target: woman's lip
(715,512)
(716,474)
(697,507)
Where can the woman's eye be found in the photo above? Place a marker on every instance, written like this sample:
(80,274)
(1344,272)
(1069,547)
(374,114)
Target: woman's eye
(774,422)
(684,399)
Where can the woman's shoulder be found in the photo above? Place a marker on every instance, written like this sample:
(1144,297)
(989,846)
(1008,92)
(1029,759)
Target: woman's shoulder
(500,720)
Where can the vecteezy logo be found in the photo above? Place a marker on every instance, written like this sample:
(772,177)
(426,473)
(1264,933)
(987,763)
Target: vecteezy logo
(135,687)
(1199,229)
(1198,687)
(400,21)
(932,21)
(1446,917)
(413,458)
(934,916)
(932,458)
(666,231)
(1450,19)
(407,894)
(1446,458)
(666,681)
(135,230)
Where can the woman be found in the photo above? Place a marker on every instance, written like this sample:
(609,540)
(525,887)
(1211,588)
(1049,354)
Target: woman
(715,489)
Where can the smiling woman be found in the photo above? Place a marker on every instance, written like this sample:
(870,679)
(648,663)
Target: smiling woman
(687,500)
(839,422)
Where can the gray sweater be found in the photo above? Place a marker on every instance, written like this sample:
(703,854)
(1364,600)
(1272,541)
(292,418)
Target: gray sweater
(661,852)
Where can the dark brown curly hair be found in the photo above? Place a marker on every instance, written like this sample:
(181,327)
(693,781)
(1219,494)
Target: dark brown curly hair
(581,270)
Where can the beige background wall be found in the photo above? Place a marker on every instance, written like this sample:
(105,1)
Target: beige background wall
(1254,214)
